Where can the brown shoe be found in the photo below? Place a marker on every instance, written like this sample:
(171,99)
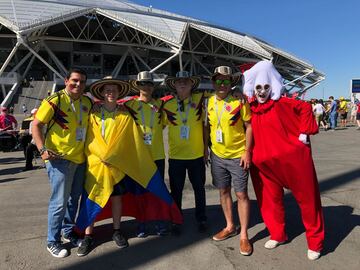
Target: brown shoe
(245,247)
(224,234)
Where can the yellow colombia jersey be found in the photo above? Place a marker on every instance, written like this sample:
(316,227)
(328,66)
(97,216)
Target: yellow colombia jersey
(109,122)
(153,124)
(232,114)
(193,147)
(56,111)
(343,105)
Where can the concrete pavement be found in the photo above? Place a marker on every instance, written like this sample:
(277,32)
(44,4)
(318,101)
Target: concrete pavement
(23,219)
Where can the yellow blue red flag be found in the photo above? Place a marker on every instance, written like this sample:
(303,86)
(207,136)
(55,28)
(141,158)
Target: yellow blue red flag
(124,157)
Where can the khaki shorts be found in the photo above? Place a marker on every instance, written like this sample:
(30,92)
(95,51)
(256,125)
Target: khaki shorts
(224,171)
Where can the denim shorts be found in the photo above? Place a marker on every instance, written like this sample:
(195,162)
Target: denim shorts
(224,171)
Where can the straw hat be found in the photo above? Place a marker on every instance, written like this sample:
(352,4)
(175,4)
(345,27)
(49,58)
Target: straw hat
(97,87)
(170,81)
(143,76)
(226,71)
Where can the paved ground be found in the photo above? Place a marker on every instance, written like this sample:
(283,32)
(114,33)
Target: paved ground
(24,195)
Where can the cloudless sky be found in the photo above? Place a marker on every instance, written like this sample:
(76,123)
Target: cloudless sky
(325,33)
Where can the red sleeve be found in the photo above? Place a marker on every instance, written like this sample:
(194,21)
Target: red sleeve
(307,120)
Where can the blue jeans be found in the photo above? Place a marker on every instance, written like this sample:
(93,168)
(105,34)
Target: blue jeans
(66,182)
(333,120)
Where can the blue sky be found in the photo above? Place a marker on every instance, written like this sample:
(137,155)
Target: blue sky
(324,33)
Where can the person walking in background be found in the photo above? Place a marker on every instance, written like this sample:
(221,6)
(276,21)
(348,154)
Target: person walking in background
(343,111)
(358,114)
(319,112)
(353,111)
(332,111)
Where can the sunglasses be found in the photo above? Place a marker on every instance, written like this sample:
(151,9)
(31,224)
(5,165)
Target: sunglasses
(145,83)
(224,82)
(259,87)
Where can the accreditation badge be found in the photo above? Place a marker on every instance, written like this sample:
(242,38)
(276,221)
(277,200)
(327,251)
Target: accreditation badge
(184,132)
(80,134)
(147,138)
(219,136)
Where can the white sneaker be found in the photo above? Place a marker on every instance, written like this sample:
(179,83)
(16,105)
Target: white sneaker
(313,255)
(57,250)
(270,244)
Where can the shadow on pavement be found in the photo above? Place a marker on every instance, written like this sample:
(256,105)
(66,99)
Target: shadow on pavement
(339,180)
(10,179)
(151,247)
(339,222)
(10,160)
(10,171)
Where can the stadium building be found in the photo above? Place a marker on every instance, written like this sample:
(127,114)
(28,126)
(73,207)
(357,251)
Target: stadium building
(41,40)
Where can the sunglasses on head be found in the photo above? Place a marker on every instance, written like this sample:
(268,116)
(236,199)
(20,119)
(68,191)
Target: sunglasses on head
(259,87)
(224,82)
(145,83)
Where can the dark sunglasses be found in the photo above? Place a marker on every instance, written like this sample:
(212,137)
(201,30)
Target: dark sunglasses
(224,82)
(145,83)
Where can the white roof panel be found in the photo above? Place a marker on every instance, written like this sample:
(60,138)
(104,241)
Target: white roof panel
(23,14)
(162,28)
(233,38)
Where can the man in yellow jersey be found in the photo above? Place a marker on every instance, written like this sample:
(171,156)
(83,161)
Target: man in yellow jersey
(147,113)
(62,148)
(230,156)
(343,111)
(184,117)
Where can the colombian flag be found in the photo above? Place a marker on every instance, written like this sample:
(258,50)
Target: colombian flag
(124,157)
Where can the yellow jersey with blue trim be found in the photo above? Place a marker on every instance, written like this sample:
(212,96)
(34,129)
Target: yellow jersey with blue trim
(148,116)
(226,122)
(185,124)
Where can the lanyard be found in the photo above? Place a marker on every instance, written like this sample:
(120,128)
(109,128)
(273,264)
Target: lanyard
(143,116)
(103,122)
(74,110)
(217,110)
(184,119)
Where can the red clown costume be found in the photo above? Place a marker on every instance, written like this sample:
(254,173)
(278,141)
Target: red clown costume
(282,156)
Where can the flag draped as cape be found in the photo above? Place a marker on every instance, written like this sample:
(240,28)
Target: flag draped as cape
(124,157)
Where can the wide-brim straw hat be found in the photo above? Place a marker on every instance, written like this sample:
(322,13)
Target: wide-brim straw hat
(226,71)
(143,76)
(96,88)
(170,81)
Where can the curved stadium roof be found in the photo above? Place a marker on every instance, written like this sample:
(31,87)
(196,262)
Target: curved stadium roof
(132,25)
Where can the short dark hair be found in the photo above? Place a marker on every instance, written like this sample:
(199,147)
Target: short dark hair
(331,97)
(75,70)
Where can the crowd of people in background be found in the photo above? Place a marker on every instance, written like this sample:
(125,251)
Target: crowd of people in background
(336,113)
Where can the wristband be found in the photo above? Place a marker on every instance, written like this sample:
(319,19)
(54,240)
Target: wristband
(42,150)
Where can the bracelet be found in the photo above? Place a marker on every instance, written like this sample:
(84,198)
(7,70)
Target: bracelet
(42,150)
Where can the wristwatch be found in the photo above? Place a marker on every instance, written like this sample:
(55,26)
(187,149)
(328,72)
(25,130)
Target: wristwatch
(42,150)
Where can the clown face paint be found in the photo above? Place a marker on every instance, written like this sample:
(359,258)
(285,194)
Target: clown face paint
(262,92)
